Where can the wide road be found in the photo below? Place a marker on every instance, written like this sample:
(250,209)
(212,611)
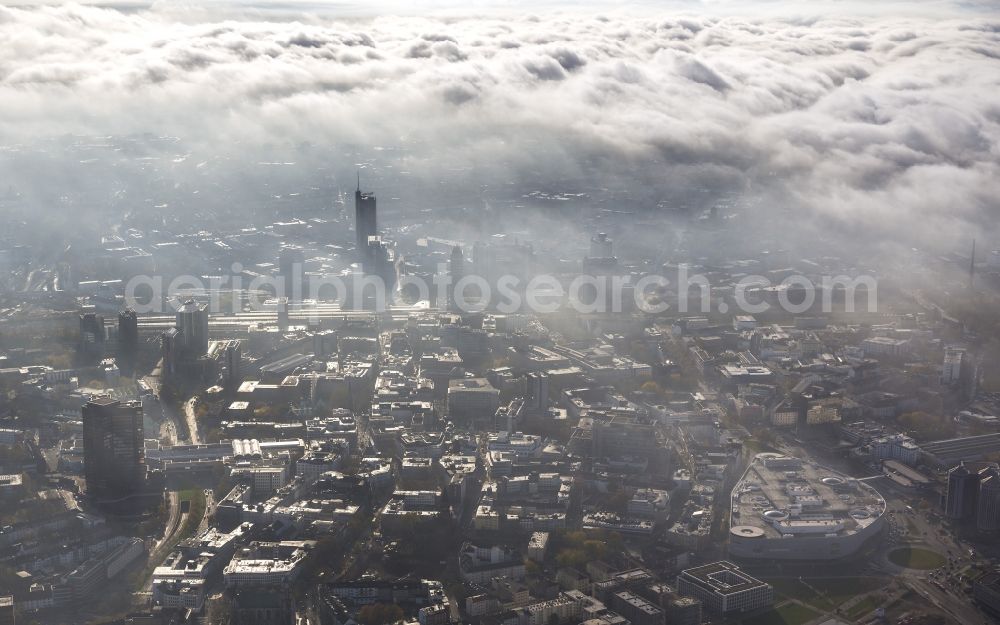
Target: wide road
(917,530)
(169,429)
(950,599)
(209,506)
(192,421)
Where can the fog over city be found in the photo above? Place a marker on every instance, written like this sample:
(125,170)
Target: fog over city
(875,125)
(500,312)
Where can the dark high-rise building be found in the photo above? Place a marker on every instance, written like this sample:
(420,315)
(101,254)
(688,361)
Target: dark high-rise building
(192,322)
(128,338)
(365,224)
(537,391)
(169,344)
(291,271)
(988,501)
(963,487)
(114,460)
(601,246)
(92,334)
(283,320)
(456,270)
(6,610)
(601,260)
(380,261)
(233,359)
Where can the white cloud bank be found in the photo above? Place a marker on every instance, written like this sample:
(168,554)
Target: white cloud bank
(873,124)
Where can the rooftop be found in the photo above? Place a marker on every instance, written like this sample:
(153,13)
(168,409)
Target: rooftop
(781,496)
(724,578)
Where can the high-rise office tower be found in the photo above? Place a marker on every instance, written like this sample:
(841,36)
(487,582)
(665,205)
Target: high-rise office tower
(7,610)
(128,338)
(963,487)
(601,246)
(234,357)
(380,261)
(456,270)
(503,256)
(192,322)
(601,259)
(169,346)
(92,334)
(114,460)
(500,257)
(988,504)
(951,368)
(283,320)
(364,219)
(537,391)
(601,264)
(291,270)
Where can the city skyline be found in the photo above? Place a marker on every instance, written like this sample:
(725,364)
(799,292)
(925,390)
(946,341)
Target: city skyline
(500,313)
(863,127)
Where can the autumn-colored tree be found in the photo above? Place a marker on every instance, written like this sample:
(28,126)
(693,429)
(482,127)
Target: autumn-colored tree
(926,427)
(651,386)
(380,614)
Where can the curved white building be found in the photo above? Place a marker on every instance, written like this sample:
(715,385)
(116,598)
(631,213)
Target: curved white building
(786,508)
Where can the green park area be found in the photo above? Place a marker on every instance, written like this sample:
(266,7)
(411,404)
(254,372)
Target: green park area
(916,558)
(862,607)
(787,614)
(826,594)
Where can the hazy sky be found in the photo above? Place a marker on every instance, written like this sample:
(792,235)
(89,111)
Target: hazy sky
(876,117)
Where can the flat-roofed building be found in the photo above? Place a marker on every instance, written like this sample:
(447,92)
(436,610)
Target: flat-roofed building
(481,605)
(266,564)
(563,608)
(636,609)
(896,447)
(683,611)
(724,589)
(537,546)
(409,508)
(472,398)
(969,448)
(885,346)
(624,435)
(480,564)
(786,508)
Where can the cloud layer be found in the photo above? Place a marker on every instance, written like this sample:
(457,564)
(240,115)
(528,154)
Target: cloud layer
(883,125)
